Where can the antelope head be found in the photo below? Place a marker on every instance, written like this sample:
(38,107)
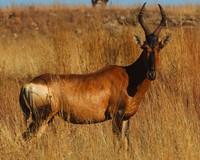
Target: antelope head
(100,2)
(152,45)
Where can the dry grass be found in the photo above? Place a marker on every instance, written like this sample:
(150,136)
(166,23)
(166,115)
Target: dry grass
(82,40)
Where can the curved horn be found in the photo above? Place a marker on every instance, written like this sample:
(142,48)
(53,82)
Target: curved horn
(140,19)
(163,22)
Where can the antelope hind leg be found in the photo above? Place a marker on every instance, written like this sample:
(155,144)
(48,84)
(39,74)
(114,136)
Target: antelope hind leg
(31,130)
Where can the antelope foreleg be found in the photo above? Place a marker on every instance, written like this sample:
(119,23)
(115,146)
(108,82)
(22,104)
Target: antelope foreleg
(125,137)
(117,127)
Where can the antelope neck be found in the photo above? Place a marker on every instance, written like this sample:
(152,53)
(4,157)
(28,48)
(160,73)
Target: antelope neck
(137,73)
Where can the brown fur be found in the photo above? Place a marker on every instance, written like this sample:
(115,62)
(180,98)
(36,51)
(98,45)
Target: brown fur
(113,92)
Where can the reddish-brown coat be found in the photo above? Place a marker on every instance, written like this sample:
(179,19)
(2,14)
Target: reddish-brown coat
(113,92)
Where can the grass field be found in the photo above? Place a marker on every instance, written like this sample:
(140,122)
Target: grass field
(63,39)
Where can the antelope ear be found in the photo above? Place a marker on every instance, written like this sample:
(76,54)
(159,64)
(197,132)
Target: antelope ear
(165,40)
(137,40)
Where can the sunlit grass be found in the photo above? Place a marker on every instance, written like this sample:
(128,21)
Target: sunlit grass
(166,125)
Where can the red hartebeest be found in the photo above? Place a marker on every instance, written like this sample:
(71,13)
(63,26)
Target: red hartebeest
(101,2)
(112,93)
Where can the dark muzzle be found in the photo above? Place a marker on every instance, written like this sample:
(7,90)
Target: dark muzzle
(151,75)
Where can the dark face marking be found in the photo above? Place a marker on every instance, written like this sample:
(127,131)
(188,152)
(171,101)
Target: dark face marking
(149,59)
(152,40)
(151,72)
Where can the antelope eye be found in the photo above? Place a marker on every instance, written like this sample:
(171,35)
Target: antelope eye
(143,47)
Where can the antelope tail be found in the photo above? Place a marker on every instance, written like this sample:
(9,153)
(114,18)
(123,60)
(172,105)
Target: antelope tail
(24,104)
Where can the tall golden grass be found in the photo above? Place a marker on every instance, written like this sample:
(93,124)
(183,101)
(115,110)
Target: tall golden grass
(41,40)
